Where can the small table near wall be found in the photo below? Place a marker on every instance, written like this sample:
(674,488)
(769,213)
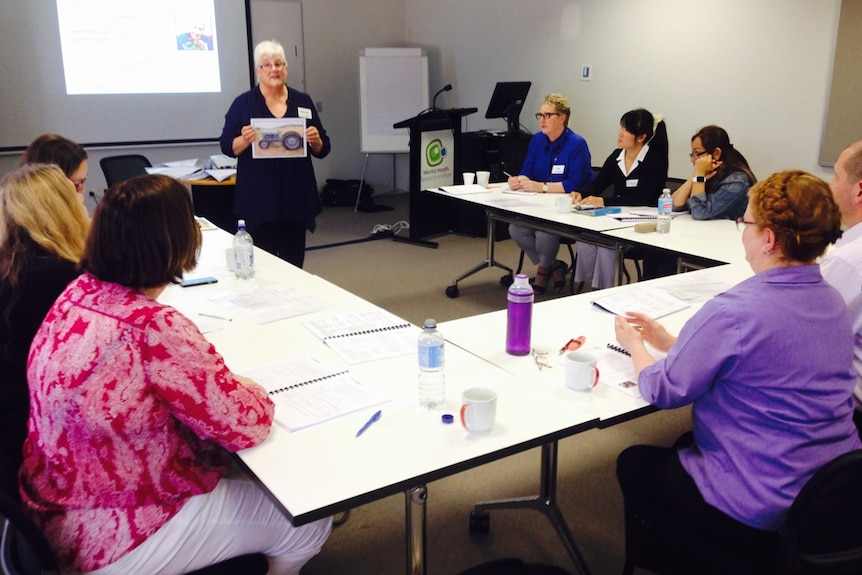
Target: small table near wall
(213,200)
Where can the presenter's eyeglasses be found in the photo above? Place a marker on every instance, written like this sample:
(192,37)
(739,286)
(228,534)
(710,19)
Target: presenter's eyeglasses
(546,115)
(696,155)
(273,65)
(743,222)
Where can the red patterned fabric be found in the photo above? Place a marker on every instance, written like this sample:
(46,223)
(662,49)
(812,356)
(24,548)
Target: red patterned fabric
(131,408)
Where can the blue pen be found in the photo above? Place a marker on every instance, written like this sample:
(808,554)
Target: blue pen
(368,423)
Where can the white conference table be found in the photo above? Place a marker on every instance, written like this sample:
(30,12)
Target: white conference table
(539,212)
(558,320)
(324,469)
(697,243)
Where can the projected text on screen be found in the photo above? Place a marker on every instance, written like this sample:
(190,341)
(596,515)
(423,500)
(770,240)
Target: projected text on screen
(160,46)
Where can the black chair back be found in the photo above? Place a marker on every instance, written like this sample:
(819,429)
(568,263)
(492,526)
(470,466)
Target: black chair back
(822,533)
(120,168)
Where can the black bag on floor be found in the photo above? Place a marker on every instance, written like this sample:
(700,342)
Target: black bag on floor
(343,193)
(513,567)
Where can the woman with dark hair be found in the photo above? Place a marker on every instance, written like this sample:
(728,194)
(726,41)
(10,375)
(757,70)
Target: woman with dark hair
(54,149)
(767,412)
(720,180)
(43,227)
(134,413)
(637,170)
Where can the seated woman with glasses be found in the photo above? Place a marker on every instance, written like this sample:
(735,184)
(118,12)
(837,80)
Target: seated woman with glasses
(637,170)
(43,227)
(557,162)
(134,413)
(720,181)
(767,374)
(717,189)
(54,149)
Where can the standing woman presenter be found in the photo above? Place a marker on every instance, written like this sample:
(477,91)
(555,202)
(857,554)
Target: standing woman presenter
(277,197)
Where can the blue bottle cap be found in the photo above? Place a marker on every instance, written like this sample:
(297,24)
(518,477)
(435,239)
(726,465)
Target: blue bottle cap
(447,418)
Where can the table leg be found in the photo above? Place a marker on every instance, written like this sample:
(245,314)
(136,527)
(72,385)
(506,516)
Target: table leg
(545,503)
(415,511)
(452,290)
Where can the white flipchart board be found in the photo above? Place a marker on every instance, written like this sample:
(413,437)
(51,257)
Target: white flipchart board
(393,86)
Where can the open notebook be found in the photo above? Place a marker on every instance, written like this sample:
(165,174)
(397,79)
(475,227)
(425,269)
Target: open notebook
(365,336)
(307,392)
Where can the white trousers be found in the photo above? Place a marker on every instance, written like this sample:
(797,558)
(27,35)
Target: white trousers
(597,263)
(234,519)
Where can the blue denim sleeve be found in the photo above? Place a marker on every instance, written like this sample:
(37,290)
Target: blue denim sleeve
(727,201)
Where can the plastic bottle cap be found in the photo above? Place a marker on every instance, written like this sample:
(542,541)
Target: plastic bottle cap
(447,418)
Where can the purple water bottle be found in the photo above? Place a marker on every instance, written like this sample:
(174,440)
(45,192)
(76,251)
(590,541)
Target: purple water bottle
(520,316)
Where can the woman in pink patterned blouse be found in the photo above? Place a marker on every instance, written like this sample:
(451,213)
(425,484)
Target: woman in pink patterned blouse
(133,412)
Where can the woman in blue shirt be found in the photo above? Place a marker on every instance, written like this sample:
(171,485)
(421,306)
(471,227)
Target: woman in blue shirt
(767,373)
(277,197)
(557,162)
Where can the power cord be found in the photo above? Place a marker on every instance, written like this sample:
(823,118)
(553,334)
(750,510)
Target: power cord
(393,229)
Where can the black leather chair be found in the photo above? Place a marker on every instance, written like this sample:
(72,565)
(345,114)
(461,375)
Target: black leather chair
(120,168)
(821,534)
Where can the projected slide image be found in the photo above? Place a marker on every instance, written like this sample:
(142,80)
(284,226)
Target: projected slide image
(278,138)
(160,46)
(194,33)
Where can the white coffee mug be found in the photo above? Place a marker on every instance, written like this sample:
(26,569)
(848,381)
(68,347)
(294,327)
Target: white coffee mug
(478,409)
(468,178)
(482,178)
(582,373)
(564,204)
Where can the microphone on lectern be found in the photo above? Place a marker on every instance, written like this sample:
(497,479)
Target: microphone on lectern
(445,88)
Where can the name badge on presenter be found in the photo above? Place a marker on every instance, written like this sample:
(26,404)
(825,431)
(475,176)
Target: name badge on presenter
(558,169)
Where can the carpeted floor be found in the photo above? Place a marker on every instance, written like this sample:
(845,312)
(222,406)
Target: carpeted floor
(410,281)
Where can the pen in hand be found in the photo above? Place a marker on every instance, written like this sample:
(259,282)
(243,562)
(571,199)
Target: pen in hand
(368,423)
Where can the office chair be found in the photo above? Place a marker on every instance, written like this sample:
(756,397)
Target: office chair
(120,168)
(25,551)
(821,534)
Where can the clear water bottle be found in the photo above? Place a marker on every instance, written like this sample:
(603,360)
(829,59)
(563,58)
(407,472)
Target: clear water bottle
(520,316)
(432,382)
(243,252)
(665,207)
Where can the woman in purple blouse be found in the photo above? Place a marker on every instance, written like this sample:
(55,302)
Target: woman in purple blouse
(766,368)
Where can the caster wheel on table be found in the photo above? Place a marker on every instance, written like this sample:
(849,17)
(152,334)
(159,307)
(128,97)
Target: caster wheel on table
(507,280)
(452,291)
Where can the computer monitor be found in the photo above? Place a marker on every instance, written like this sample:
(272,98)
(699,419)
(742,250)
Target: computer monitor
(507,101)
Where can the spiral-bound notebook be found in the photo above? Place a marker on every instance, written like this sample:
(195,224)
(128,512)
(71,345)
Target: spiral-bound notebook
(365,336)
(617,370)
(307,392)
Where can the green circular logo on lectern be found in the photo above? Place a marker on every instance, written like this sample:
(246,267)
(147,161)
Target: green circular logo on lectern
(434,153)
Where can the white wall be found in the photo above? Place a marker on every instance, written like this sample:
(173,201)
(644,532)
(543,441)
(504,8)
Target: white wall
(760,69)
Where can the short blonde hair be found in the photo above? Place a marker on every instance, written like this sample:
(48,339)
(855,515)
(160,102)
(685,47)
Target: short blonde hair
(561,105)
(268,48)
(38,201)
